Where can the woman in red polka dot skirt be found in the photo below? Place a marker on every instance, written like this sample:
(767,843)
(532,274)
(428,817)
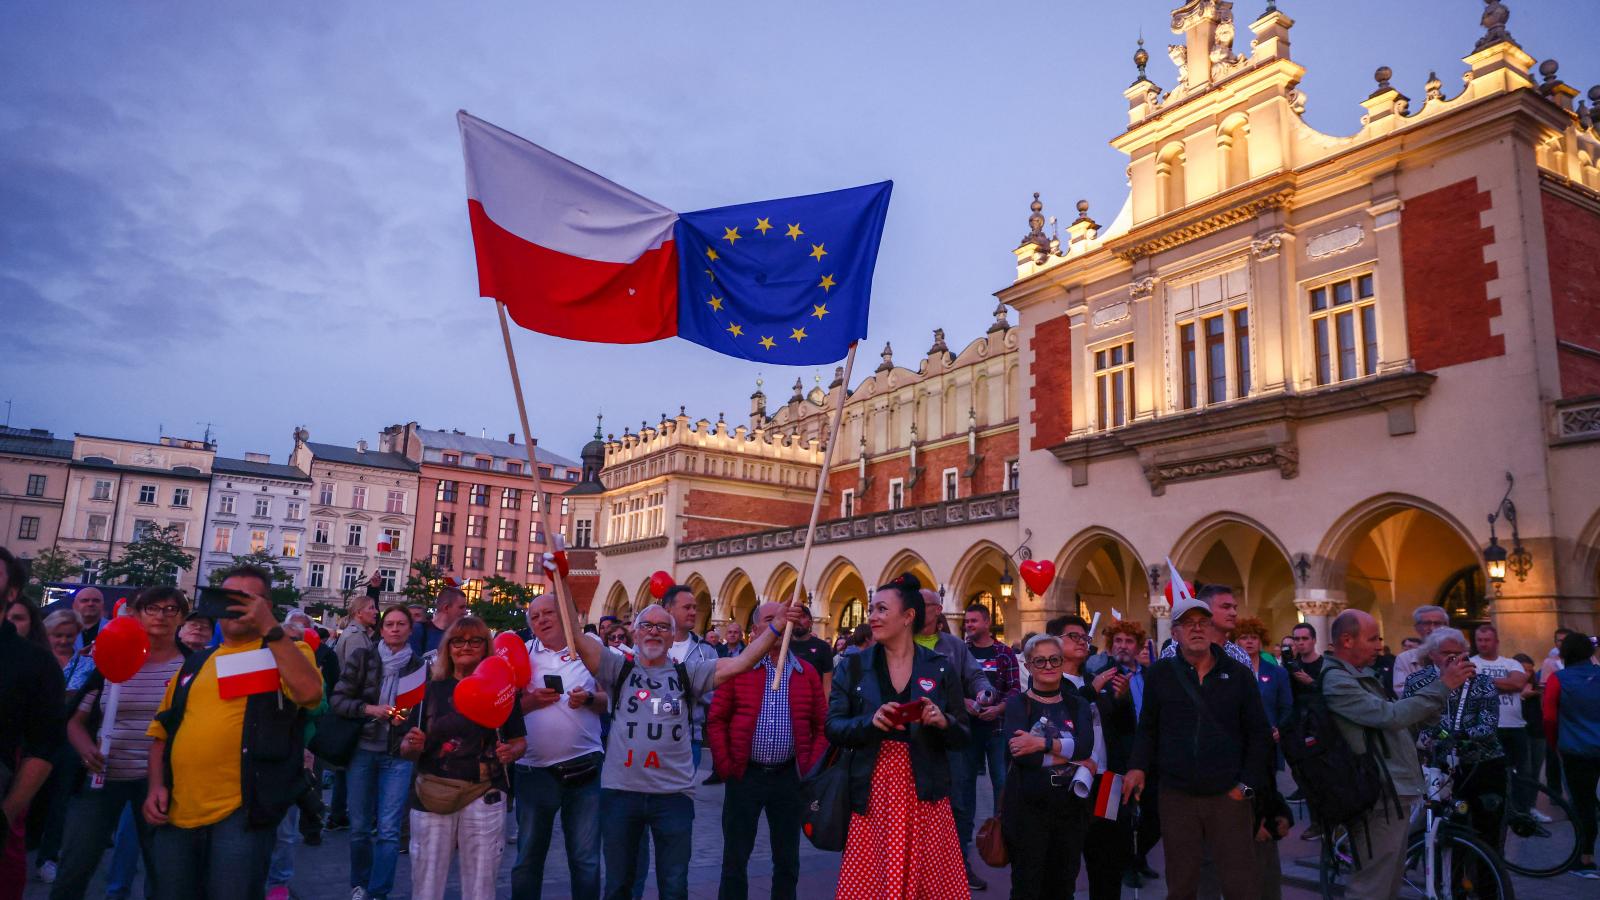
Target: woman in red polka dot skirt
(899,707)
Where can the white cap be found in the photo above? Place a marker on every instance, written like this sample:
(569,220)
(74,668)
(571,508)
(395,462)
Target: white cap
(1187,605)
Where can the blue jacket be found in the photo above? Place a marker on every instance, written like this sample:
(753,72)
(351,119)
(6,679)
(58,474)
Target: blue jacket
(1275,694)
(1572,709)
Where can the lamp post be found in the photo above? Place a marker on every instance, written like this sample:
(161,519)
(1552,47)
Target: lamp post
(1006,582)
(1496,560)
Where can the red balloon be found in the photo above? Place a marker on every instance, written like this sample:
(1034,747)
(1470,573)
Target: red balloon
(510,648)
(120,649)
(312,639)
(1038,574)
(497,671)
(482,700)
(660,583)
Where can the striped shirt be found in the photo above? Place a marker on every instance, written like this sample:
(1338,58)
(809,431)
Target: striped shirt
(138,701)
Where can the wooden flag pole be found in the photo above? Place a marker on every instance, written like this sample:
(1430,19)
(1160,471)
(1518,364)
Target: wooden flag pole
(550,535)
(816,509)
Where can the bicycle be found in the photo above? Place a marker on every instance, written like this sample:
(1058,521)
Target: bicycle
(1540,847)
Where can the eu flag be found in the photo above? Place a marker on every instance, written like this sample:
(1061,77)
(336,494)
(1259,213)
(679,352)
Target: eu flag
(782,281)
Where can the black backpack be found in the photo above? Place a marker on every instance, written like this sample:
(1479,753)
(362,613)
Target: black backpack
(1340,783)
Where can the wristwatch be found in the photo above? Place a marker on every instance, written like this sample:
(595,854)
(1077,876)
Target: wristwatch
(1248,792)
(276,634)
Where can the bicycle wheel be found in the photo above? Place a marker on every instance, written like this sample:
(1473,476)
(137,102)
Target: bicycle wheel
(1466,868)
(1541,848)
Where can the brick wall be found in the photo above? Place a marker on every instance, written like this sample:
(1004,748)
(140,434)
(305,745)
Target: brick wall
(996,449)
(1051,390)
(747,510)
(1572,240)
(1446,278)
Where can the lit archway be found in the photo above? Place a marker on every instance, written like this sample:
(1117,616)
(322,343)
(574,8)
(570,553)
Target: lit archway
(908,561)
(704,607)
(1098,571)
(984,576)
(641,597)
(842,596)
(780,585)
(1237,551)
(617,601)
(737,597)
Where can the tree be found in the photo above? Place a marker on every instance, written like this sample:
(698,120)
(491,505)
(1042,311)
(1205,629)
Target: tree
(284,593)
(423,581)
(503,603)
(155,558)
(53,565)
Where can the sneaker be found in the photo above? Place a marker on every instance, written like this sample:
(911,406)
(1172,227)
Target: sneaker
(358,893)
(1588,872)
(47,872)
(1312,833)
(1540,817)
(975,883)
(279,892)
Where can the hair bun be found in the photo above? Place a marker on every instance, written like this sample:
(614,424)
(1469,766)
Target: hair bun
(909,582)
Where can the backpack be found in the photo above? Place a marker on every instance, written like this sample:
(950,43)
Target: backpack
(1341,784)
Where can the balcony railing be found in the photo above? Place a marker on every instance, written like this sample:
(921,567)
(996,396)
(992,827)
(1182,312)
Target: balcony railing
(949,514)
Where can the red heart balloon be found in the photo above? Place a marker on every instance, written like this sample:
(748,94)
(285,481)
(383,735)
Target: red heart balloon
(120,649)
(660,583)
(497,671)
(1038,574)
(509,647)
(312,639)
(483,701)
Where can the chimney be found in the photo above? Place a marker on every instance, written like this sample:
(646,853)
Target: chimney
(258,457)
(361,446)
(511,438)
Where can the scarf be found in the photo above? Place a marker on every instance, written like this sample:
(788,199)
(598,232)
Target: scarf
(394,661)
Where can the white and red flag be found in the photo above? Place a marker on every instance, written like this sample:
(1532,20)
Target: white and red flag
(409,691)
(243,674)
(1108,796)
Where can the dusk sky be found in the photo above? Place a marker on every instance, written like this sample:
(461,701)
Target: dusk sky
(254,215)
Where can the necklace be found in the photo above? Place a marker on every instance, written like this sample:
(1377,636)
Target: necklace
(1041,692)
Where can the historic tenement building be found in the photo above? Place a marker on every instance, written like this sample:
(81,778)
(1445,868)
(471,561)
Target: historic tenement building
(1306,365)
(363,516)
(256,506)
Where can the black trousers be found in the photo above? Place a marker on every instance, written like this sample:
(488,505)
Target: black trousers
(775,790)
(1108,849)
(1484,786)
(1044,831)
(1582,774)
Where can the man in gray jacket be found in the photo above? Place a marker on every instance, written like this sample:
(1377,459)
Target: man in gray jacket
(979,694)
(1355,695)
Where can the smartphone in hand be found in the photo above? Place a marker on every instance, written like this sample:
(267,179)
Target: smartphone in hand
(553,682)
(218,603)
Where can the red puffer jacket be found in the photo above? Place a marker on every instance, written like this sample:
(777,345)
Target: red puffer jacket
(736,705)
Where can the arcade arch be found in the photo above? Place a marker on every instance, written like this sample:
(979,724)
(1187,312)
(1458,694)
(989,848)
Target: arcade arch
(704,607)
(842,596)
(977,580)
(1235,550)
(1098,571)
(617,601)
(737,599)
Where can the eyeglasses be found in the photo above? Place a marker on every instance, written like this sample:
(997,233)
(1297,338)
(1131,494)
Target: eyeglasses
(469,642)
(1046,662)
(165,609)
(656,627)
(615,638)
(1077,637)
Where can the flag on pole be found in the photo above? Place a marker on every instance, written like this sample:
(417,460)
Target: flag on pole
(1115,614)
(243,674)
(408,692)
(1108,796)
(574,255)
(1178,587)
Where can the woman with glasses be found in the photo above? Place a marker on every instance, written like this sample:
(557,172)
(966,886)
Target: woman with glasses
(1052,739)
(117,778)
(899,707)
(458,795)
(379,777)
(1465,743)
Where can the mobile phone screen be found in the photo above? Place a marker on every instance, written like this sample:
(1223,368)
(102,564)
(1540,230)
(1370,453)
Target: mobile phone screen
(215,603)
(553,682)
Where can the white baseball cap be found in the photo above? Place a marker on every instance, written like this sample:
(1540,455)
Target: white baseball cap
(1187,605)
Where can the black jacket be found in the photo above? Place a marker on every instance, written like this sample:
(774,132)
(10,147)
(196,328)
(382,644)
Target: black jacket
(358,686)
(1203,752)
(1119,721)
(856,696)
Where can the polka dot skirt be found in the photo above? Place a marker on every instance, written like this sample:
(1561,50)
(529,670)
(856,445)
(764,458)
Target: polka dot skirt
(904,847)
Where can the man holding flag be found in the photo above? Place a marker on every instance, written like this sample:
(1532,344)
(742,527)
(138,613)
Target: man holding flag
(228,752)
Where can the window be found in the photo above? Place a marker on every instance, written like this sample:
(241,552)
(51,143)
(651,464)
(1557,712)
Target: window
(441,554)
(483,462)
(352,537)
(319,533)
(263,507)
(565,507)
(446,492)
(513,467)
(847,502)
(358,496)
(897,493)
(505,560)
(583,533)
(479,495)
(325,493)
(952,484)
(142,528)
(291,545)
(536,531)
(102,490)
(444,523)
(319,576)
(1216,359)
(396,502)
(452,459)
(1241,351)
(474,561)
(511,498)
(350,578)
(222,541)
(35,485)
(389,577)
(477,526)
(1013,475)
(28,528)
(391,536)
(97,528)
(180,497)
(1344,329)
(1113,383)
(225,505)
(508,529)
(258,540)
(294,511)
(147,494)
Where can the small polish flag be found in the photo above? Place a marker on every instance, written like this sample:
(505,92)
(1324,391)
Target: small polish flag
(243,674)
(409,691)
(385,545)
(1108,798)
(1115,614)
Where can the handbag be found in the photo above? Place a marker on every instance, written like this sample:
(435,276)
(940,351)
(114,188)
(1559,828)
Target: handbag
(991,842)
(337,737)
(444,796)
(825,792)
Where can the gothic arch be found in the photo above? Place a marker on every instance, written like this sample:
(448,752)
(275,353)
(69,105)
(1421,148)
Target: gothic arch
(737,597)
(780,584)
(704,603)
(1100,569)
(842,595)
(1333,554)
(1236,550)
(617,600)
(909,561)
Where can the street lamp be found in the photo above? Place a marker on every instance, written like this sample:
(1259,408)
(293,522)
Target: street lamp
(1005,582)
(1496,560)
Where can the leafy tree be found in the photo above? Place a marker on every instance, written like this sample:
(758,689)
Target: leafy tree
(284,593)
(503,601)
(423,581)
(155,558)
(53,565)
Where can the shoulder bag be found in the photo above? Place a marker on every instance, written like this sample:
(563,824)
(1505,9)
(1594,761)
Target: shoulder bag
(825,791)
(337,737)
(441,795)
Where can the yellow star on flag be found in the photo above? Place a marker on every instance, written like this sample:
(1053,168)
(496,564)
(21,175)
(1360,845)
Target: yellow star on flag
(799,334)
(819,310)
(715,303)
(763,225)
(736,330)
(827,282)
(767,342)
(794,231)
(817,252)
(730,235)
(711,275)
(711,254)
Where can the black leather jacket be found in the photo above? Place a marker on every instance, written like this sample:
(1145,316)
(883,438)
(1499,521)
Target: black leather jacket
(856,697)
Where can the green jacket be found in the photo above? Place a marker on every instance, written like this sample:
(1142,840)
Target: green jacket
(1356,697)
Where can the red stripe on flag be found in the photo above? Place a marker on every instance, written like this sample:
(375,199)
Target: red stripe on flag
(247,673)
(411,688)
(570,297)
(1108,799)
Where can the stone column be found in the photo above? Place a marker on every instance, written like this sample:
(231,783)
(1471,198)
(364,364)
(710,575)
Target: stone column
(1162,611)
(1319,610)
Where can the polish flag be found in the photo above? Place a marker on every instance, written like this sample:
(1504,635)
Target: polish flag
(411,688)
(568,252)
(1108,798)
(243,674)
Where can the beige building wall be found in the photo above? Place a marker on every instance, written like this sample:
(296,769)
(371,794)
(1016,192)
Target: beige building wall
(33,485)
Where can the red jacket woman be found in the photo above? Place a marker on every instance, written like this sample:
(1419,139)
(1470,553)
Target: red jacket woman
(736,705)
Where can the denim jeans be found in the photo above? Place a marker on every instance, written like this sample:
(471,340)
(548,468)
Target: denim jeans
(222,861)
(93,815)
(379,788)
(669,818)
(540,795)
(125,853)
(280,871)
(642,869)
(986,749)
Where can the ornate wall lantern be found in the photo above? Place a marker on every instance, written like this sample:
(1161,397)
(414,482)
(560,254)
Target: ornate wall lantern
(1496,560)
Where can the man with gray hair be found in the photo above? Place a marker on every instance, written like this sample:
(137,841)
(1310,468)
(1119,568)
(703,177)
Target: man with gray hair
(1426,619)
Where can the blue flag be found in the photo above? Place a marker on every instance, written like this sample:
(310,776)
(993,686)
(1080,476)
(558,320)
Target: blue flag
(782,281)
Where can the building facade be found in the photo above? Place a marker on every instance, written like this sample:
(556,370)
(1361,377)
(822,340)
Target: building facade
(33,488)
(117,489)
(256,506)
(362,519)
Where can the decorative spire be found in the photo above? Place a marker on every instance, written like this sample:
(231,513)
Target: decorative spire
(799,388)
(838,377)
(1000,323)
(1382,77)
(1495,16)
(1141,58)
(888,358)
(1435,87)
(938,343)
(598,418)
(1548,70)
(759,394)
(1083,212)
(1036,235)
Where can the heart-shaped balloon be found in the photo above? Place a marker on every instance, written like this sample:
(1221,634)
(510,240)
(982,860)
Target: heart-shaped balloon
(1037,574)
(482,700)
(510,648)
(660,583)
(120,649)
(497,671)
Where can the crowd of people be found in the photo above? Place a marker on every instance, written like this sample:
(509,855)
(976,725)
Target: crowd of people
(207,767)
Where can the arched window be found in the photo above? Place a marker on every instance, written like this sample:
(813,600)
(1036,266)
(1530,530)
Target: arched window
(1169,178)
(851,615)
(1463,599)
(997,612)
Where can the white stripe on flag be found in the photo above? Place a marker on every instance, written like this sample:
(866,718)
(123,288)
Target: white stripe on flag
(1108,802)
(245,663)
